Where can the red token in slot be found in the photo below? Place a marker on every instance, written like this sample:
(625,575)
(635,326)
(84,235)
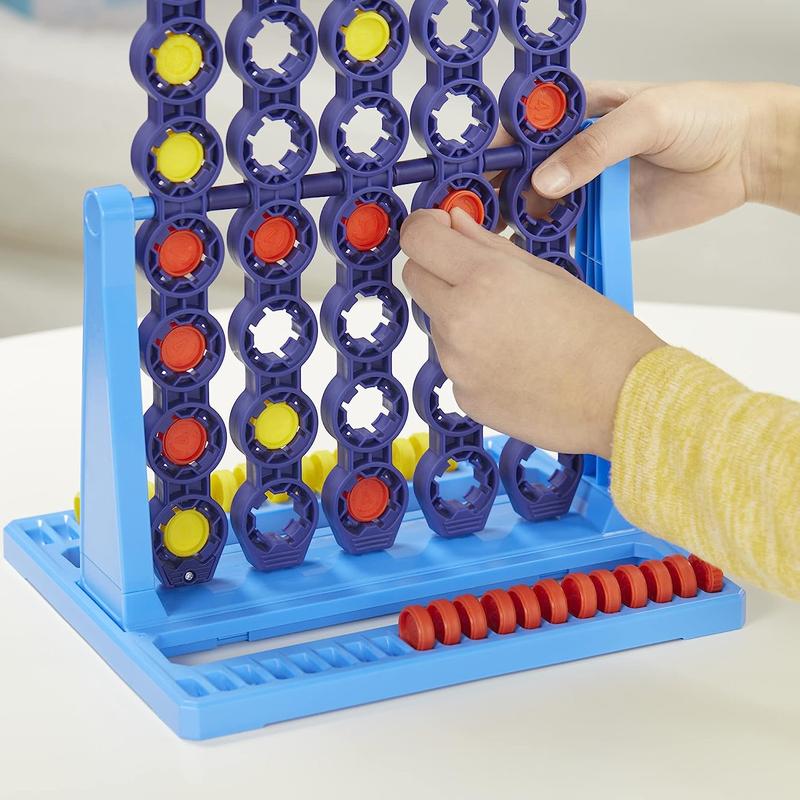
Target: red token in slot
(552,601)
(415,627)
(367,226)
(684,581)
(529,615)
(609,596)
(709,578)
(632,585)
(446,624)
(581,595)
(500,612)
(545,106)
(182,348)
(368,500)
(274,240)
(180,253)
(659,582)
(467,201)
(184,441)
(472,616)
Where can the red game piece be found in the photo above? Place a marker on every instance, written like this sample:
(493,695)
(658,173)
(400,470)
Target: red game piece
(632,585)
(275,239)
(415,627)
(467,201)
(526,606)
(180,253)
(709,577)
(367,500)
(184,441)
(501,615)
(367,226)
(684,581)
(545,106)
(182,348)
(659,581)
(609,596)
(446,623)
(552,601)
(581,595)
(472,616)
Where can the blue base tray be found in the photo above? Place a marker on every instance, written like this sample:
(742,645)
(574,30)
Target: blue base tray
(243,692)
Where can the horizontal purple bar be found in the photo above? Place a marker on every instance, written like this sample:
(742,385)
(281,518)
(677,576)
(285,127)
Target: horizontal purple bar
(326,184)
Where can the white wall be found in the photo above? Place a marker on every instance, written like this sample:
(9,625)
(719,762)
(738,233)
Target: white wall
(66,122)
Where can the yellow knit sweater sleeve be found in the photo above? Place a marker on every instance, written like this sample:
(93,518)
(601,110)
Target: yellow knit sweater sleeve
(702,461)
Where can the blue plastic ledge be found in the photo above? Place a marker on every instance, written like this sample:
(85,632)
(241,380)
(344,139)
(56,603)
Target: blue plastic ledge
(243,692)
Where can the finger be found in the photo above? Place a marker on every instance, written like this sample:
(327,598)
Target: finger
(428,239)
(604,96)
(431,293)
(507,250)
(630,130)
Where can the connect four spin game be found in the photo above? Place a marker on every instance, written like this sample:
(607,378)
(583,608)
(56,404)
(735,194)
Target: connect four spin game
(487,555)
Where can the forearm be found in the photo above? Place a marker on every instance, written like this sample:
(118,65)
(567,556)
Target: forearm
(772,155)
(702,461)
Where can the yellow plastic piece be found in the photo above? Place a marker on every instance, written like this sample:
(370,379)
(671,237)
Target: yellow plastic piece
(223,488)
(404,457)
(180,157)
(281,497)
(367,36)
(276,425)
(76,501)
(179,58)
(240,473)
(186,533)
(316,468)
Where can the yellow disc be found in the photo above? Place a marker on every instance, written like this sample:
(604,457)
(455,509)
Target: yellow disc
(367,36)
(277,425)
(186,533)
(180,157)
(404,458)
(223,488)
(281,497)
(179,58)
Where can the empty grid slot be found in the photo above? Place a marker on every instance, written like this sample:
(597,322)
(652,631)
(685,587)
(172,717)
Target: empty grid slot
(391,645)
(308,663)
(363,651)
(192,687)
(336,656)
(248,673)
(220,681)
(277,668)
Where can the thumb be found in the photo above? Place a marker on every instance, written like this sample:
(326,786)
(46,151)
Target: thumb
(627,131)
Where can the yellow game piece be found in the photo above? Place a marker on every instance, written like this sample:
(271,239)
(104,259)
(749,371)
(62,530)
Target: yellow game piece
(180,157)
(240,473)
(179,58)
(281,497)
(186,533)
(223,488)
(404,457)
(420,442)
(276,425)
(367,36)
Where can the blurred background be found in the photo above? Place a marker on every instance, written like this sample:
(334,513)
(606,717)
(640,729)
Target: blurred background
(69,110)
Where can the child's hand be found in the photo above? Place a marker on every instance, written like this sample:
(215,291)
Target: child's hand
(531,351)
(699,149)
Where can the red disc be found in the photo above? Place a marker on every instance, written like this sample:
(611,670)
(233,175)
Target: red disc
(368,499)
(446,623)
(500,612)
(552,601)
(367,226)
(581,595)
(275,239)
(709,577)
(545,106)
(659,581)
(609,596)
(632,585)
(415,627)
(184,441)
(529,615)
(180,253)
(472,616)
(183,348)
(684,581)
(467,201)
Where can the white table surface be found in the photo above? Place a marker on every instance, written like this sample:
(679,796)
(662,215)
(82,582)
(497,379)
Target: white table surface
(714,717)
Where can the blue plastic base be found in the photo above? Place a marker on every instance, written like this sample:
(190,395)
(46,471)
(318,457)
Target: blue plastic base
(249,691)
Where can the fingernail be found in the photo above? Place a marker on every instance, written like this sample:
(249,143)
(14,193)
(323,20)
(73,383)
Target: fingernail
(552,179)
